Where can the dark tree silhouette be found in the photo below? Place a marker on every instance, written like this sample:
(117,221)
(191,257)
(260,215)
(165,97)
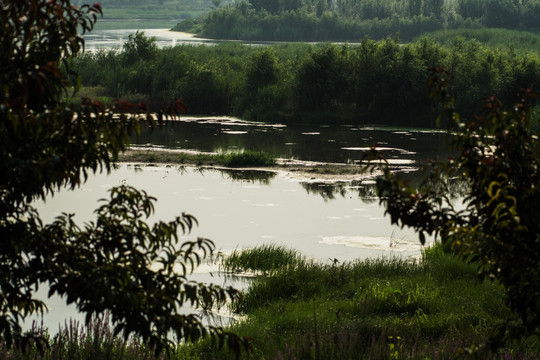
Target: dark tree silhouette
(117,263)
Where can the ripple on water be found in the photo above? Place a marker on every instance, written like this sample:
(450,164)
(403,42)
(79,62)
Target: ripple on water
(386,243)
(232,132)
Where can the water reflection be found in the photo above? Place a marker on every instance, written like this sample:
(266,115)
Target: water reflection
(325,143)
(329,191)
(244,209)
(249,176)
(115,38)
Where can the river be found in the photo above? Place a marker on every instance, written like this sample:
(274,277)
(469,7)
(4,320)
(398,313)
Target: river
(324,220)
(115,38)
(242,209)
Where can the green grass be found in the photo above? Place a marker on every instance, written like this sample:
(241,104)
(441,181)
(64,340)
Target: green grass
(374,309)
(248,158)
(381,309)
(264,258)
(232,160)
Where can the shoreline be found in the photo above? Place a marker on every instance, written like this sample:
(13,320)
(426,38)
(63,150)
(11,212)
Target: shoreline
(303,171)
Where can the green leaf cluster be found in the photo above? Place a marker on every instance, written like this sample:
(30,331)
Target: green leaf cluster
(118,263)
(495,225)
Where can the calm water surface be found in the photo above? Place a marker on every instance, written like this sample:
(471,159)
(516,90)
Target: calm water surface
(307,142)
(242,209)
(115,39)
(237,211)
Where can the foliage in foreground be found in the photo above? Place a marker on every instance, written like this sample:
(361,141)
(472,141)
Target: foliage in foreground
(496,227)
(380,308)
(119,263)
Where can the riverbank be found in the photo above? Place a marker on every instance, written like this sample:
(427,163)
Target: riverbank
(375,309)
(301,170)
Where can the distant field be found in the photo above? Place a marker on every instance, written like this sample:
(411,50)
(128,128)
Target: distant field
(149,14)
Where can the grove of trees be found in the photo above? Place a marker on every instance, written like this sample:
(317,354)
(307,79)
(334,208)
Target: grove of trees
(379,82)
(322,20)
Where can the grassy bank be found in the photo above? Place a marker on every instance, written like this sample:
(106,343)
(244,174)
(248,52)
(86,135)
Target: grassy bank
(246,159)
(376,309)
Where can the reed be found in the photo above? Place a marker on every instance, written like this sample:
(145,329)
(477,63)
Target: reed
(265,258)
(248,158)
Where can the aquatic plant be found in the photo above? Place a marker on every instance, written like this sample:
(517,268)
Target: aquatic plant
(248,158)
(264,258)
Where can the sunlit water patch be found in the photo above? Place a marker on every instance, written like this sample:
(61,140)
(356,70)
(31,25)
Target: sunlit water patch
(237,210)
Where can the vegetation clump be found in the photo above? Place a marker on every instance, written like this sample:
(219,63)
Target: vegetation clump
(375,82)
(263,258)
(234,160)
(248,158)
(380,308)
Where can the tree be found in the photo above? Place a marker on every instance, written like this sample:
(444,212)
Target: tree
(139,48)
(118,263)
(497,162)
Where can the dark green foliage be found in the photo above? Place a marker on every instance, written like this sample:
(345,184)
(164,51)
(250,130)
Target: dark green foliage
(322,78)
(375,82)
(381,309)
(321,20)
(139,48)
(248,158)
(497,225)
(118,263)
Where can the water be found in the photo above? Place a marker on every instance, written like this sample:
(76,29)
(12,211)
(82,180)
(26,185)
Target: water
(322,142)
(344,223)
(115,38)
(237,211)
(243,209)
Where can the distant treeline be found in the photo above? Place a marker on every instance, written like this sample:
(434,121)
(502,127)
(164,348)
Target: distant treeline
(335,20)
(377,82)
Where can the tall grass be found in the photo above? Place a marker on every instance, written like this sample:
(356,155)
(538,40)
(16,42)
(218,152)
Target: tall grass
(77,342)
(264,258)
(375,309)
(248,158)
